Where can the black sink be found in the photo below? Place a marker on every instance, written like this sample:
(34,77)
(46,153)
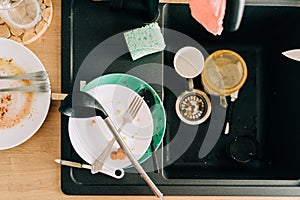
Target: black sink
(266,112)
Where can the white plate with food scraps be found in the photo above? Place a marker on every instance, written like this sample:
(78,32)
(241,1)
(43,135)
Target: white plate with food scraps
(90,136)
(21,113)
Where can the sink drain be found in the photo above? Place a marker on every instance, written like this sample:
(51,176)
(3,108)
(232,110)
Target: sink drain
(193,107)
(242,149)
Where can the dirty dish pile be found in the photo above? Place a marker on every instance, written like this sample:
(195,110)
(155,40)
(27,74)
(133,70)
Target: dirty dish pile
(90,136)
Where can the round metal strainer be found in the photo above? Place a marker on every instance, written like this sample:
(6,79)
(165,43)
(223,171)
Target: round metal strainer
(193,107)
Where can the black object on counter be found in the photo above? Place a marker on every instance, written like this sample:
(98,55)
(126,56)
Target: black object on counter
(148,9)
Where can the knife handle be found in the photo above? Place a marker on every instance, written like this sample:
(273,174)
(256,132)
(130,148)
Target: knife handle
(73,164)
(58,96)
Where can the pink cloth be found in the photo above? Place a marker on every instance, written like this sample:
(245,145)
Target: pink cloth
(209,13)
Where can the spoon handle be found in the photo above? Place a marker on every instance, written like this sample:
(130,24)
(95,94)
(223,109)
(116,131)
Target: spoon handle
(133,160)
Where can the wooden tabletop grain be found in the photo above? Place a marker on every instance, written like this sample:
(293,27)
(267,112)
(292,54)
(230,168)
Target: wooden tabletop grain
(28,171)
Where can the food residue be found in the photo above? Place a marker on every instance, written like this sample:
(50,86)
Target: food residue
(5,101)
(118,155)
(113,155)
(14,106)
(118,112)
(93,122)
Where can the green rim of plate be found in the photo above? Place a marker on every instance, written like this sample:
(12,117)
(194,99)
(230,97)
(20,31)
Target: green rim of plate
(136,84)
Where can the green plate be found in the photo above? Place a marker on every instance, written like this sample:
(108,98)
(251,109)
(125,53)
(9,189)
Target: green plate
(150,96)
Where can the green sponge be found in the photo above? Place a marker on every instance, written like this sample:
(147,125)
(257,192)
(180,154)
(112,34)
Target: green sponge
(145,40)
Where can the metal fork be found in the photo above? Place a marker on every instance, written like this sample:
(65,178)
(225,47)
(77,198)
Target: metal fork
(128,117)
(38,87)
(33,76)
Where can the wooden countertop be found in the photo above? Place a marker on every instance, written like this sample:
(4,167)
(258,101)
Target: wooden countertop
(28,171)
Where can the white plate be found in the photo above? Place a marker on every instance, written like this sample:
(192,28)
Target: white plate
(29,62)
(90,136)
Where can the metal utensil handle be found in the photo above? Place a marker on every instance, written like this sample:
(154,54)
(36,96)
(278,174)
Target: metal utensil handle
(33,76)
(223,101)
(72,164)
(40,87)
(107,171)
(191,84)
(99,162)
(229,112)
(133,160)
(129,115)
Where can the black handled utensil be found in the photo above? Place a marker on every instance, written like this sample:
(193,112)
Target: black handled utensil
(82,105)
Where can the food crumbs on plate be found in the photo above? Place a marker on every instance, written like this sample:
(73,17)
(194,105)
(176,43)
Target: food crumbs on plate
(138,119)
(93,122)
(113,155)
(121,156)
(120,150)
(118,112)
(124,138)
(14,106)
(118,155)
(5,101)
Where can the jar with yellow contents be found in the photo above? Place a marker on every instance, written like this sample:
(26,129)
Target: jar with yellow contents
(224,73)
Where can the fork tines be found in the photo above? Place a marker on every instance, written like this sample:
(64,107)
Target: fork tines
(135,105)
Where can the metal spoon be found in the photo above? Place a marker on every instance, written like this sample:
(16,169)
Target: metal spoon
(83,105)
